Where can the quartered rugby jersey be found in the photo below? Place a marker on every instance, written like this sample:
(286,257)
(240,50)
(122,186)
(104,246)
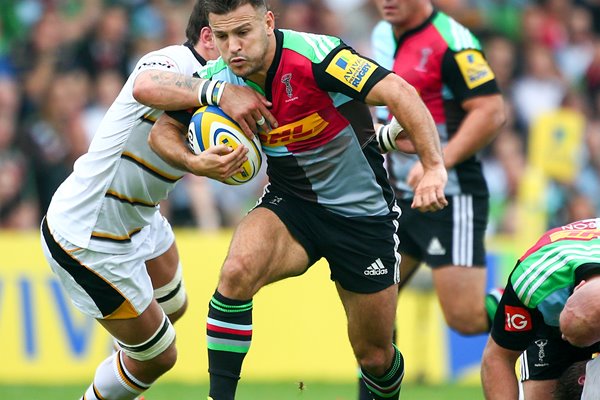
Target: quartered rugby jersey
(115,188)
(547,273)
(444,62)
(323,150)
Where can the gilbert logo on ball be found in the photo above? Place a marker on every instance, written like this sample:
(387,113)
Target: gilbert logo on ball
(210,126)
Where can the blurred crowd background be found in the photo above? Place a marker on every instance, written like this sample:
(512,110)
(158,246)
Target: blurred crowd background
(62,62)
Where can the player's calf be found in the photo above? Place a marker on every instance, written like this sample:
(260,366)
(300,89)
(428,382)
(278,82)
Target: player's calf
(386,386)
(131,370)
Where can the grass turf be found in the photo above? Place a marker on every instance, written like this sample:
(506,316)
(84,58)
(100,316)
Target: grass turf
(250,391)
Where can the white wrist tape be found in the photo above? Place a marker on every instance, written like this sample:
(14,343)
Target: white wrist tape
(210,92)
(387,134)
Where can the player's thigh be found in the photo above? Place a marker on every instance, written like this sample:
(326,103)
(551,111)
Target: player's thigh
(371,316)
(136,330)
(408,267)
(163,261)
(460,288)
(362,252)
(266,249)
(101,285)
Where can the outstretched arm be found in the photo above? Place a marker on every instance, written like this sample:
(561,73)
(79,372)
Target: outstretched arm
(408,108)
(165,90)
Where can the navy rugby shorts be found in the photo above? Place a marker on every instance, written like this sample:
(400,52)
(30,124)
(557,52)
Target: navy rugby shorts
(361,251)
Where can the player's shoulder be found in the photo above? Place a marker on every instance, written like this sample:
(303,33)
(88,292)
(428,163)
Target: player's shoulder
(175,58)
(218,70)
(313,46)
(457,36)
(383,29)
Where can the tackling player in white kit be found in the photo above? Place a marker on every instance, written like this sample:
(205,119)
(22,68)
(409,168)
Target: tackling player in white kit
(103,235)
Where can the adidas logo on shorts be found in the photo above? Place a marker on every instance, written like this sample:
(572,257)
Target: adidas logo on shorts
(435,248)
(376,268)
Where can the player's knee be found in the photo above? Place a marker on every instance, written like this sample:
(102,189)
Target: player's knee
(166,360)
(467,323)
(158,353)
(239,277)
(174,316)
(172,297)
(373,359)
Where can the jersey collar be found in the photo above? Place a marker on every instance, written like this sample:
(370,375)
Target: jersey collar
(275,64)
(198,57)
(414,30)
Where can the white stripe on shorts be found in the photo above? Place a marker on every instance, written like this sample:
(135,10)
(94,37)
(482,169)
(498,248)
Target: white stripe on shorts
(524,367)
(462,230)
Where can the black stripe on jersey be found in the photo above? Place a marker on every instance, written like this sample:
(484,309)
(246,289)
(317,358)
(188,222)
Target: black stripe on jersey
(105,296)
(113,238)
(148,168)
(169,295)
(117,196)
(145,346)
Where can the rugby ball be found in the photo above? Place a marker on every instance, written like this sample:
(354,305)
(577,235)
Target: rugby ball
(210,126)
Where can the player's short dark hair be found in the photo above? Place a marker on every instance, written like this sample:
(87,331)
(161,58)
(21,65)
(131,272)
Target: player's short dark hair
(197,21)
(570,384)
(221,7)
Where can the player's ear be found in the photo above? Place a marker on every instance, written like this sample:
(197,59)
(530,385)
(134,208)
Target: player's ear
(270,22)
(206,37)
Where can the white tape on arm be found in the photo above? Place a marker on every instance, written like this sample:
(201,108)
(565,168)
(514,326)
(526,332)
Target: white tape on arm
(387,134)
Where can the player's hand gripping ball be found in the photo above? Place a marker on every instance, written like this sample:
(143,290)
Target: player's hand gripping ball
(210,126)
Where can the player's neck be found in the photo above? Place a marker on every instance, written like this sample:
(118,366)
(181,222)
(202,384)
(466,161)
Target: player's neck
(417,18)
(260,77)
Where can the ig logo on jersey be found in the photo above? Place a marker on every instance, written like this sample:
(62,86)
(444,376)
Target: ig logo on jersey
(517,319)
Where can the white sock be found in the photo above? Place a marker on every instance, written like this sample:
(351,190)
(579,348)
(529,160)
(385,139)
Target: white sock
(114,382)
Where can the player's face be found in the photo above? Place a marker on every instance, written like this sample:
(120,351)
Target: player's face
(398,12)
(242,37)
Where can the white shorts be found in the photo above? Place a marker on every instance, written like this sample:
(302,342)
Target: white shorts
(591,388)
(107,286)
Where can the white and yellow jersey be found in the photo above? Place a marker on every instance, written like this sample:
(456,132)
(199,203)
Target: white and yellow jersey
(115,188)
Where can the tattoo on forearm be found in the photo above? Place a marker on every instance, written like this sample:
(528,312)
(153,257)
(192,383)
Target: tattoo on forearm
(164,78)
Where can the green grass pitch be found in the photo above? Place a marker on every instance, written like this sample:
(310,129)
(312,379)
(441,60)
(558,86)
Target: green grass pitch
(251,391)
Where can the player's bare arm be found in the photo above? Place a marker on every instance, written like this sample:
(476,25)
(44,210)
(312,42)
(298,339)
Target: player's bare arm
(482,123)
(484,118)
(392,136)
(498,372)
(408,108)
(165,90)
(167,139)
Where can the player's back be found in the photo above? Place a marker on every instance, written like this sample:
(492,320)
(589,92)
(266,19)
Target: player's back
(116,186)
(546,273)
